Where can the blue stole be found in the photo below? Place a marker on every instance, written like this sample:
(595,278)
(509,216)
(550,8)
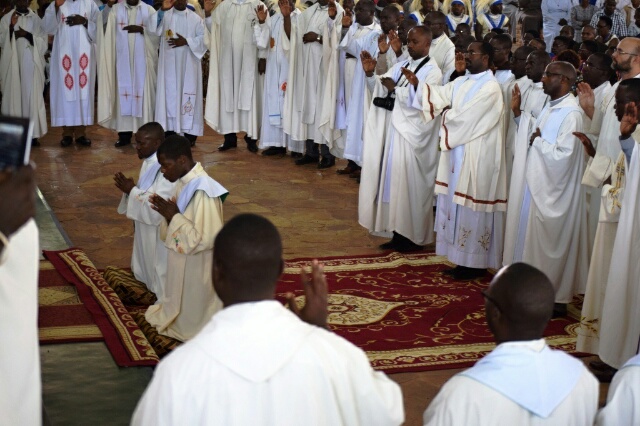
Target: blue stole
(200,183)
(493,25)
(537,381)
(149,176)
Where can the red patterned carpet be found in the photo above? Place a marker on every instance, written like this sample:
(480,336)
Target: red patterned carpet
(401,309)
(62,317)
(126,342)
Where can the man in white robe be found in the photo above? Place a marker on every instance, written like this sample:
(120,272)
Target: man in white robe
(611,200)
(23,45)
(310,51)
(193,217)
(127,77)
(623,398)
(390,18)
(149,258)
(489,17)
(257,362)
(518,63)
(442,49)
(546,217)
(234,96)
(555,14)
(273,139)
(20,384)
(179,103)
(457,12)
(522,381)
(401,155)
(359,37)
(77,29)
(596,74)
(502,45)
(471,182)
(620,330)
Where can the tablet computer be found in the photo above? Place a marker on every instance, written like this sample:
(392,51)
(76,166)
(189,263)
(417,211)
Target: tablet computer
(15,141)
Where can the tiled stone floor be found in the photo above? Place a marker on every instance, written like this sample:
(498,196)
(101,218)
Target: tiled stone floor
(315,210)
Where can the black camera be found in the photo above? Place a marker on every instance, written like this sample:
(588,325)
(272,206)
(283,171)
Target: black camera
(386,103)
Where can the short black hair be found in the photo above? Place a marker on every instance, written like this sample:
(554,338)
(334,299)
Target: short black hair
(174,147)
(487,49)
(606,20)
(632,85)
(564,40)
(153,129)
(534,33)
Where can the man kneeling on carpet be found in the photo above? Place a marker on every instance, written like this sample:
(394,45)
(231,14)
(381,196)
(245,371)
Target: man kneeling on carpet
(258,363)
(193,217)
(522,379)
(149,258)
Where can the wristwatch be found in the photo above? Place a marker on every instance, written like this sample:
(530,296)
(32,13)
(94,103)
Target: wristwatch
(319,39)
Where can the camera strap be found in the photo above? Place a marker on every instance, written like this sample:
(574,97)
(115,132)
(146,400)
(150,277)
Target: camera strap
(424,61)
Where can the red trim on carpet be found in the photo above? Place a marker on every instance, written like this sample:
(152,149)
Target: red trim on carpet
(108,324)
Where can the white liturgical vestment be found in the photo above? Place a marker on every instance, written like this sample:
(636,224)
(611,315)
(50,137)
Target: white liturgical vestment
(189,299)
(623,399)
(149,258)
(20,385)
(258,364)
(22,70)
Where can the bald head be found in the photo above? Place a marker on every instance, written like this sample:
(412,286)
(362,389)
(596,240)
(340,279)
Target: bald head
(519,303)
(247,260)
(536,63)
(436,21)
(626,58)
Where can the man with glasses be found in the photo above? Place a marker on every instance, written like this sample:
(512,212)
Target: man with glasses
(442,48)
(546,216)
(471,181)
(522,381)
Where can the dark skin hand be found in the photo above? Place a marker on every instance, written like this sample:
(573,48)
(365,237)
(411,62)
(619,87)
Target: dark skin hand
(534,136)
(285,9)
(74,20)
(410,76)
(388,83)
(178,41)
(515,101)
(629,120)
(123,183)
(310,37)
(134,29)
(167,208)
(586,144)
(315,309)
(262,66)
(18,199)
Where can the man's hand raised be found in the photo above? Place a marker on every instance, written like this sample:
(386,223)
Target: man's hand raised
(315,309)
(261,13)
(629,120)
(516,101)
(586,98)
(586,144)
(368,63)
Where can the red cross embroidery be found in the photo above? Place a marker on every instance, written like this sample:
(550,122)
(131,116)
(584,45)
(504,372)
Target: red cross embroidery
(122,24)
(126,95)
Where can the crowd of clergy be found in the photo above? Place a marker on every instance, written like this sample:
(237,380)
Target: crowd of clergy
(505,133)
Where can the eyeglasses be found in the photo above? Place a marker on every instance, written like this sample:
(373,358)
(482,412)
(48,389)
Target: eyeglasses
(473,53)
(549,74)
(587,64)
(485,294)
(620,52)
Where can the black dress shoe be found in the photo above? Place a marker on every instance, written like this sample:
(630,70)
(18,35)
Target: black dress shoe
(274,150)
(225,146)
(325,163)
(386,246)
(296,155)
(404,245)
(82,140)
(252,146)
(122,143)
(305,159)
(35,142)
(66,141)
(559,310)
(463,273)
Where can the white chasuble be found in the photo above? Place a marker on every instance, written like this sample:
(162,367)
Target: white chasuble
(256,363)
(179,102)
(20,384)
(444,53)
(127,78)
(74,60)
(149,257)
(22,70)
(308,69)
(471,178)
(234,96)
(620,331)
(546,219)
(189,298)
(400,160)
(624,394)
(276,79)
